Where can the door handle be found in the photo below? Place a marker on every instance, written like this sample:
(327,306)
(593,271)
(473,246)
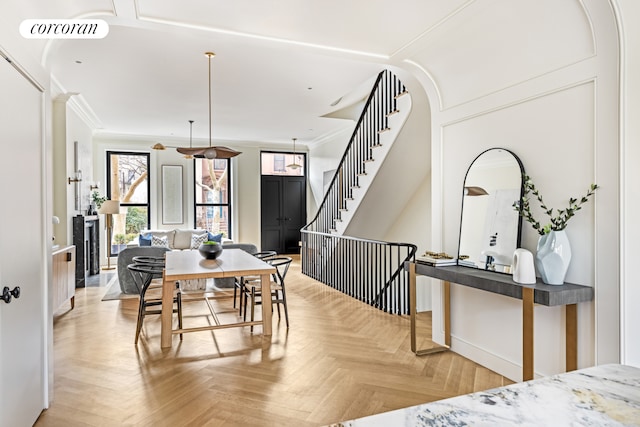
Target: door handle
(7,294)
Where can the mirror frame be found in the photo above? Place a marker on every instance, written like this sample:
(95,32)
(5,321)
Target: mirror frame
(519,230)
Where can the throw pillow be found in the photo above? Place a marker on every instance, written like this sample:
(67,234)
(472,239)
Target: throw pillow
(198,239)
(159,241)
(215,237)
(144,240)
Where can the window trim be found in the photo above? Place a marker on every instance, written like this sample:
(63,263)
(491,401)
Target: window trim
(297,153)
(228,205)
(148,205)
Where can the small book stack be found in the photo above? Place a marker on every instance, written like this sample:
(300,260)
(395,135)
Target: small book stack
(436,259)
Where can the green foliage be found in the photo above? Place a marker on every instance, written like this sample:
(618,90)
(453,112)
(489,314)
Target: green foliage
(558,221)
(119,239)
(97,199)
(136,220)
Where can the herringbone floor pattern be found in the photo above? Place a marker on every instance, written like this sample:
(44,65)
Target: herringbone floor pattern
(339,360)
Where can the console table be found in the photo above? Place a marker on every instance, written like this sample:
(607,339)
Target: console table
(568,295)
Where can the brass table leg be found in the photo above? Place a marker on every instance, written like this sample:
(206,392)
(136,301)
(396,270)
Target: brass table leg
(527,333)
(571,337)
(412,310)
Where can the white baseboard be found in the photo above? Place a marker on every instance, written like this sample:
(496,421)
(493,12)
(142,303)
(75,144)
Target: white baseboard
(504,367)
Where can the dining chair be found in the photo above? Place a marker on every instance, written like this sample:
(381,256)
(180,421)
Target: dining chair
(144,272)
(253,288)
(239,285)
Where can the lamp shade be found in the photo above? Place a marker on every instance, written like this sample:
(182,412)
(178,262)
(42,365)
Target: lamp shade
(475,191)
(110,207)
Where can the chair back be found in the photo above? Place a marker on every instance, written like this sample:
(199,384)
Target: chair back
(125,257)
(264,255)
(143,274)
(281,263)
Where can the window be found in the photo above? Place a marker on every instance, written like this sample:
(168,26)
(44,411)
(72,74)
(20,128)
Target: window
(279,163)
(212,198)
(128,182)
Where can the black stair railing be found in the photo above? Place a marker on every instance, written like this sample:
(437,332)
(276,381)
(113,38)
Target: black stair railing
(369,270)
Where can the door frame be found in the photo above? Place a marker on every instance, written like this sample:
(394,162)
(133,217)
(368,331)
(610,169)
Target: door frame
(304,176)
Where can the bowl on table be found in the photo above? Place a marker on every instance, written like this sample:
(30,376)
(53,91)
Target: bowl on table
(210,250)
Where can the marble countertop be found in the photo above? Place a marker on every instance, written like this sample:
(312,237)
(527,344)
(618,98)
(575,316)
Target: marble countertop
(606,395)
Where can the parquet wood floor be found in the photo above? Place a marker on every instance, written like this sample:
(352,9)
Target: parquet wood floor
(339,360)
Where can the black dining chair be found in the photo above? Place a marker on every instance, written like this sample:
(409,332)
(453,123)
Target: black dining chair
(144,272)
(253,288)
(239,285)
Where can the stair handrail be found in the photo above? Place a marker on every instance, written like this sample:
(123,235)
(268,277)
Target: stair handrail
(346,151)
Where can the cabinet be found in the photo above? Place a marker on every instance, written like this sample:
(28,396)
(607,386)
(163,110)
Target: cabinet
(64,276)
(86,238)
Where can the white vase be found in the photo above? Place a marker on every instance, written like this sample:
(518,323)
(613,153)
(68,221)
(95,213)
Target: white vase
(553,257)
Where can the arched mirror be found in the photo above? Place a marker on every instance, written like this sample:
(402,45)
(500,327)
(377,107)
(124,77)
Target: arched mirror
(490,227)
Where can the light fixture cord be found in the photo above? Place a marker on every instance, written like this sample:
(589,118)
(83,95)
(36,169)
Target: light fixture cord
(210,100)
(190,133)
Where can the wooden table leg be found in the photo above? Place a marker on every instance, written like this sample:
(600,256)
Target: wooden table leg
(167,314)
(571,337)
(267,304)
(527,333)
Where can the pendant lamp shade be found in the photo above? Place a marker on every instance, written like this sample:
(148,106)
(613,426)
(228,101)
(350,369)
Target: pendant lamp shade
(210,152)
(294,165)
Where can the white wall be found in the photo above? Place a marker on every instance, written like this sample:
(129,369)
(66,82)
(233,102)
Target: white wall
(552,100)
(629,10)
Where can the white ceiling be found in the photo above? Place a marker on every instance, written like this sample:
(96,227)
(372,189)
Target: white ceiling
(279,64)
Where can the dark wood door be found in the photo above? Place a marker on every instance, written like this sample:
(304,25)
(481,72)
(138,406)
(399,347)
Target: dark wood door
(283,212)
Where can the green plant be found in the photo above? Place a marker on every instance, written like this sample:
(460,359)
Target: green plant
(559,221)
(119,239)
(210,242)
(97,199)
(136,219)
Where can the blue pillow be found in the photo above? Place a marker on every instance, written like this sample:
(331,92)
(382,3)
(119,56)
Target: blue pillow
(215,237)
(144,240)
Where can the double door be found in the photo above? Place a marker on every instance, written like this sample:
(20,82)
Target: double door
(283,212)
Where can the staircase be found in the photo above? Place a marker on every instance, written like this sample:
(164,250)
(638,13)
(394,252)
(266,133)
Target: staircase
(370,270)
(385,111)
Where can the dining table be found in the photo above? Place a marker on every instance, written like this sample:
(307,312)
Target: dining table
(190,265)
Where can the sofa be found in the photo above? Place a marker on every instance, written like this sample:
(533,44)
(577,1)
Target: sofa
(125,257)
(176,239)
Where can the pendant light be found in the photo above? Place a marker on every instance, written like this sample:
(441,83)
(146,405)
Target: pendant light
(294,165)
(210,152)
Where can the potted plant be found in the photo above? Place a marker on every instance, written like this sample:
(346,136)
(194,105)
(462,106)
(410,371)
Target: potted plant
(553,251)
(96,202)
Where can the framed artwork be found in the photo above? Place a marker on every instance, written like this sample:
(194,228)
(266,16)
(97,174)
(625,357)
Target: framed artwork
(172,194)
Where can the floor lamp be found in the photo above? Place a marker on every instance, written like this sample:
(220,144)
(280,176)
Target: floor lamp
(109,208)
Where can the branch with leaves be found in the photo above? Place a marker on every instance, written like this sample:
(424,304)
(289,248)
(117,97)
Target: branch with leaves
(558,221)
(97,199)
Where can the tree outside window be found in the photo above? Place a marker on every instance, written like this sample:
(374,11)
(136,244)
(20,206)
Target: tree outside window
(212,201)
(128,182)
